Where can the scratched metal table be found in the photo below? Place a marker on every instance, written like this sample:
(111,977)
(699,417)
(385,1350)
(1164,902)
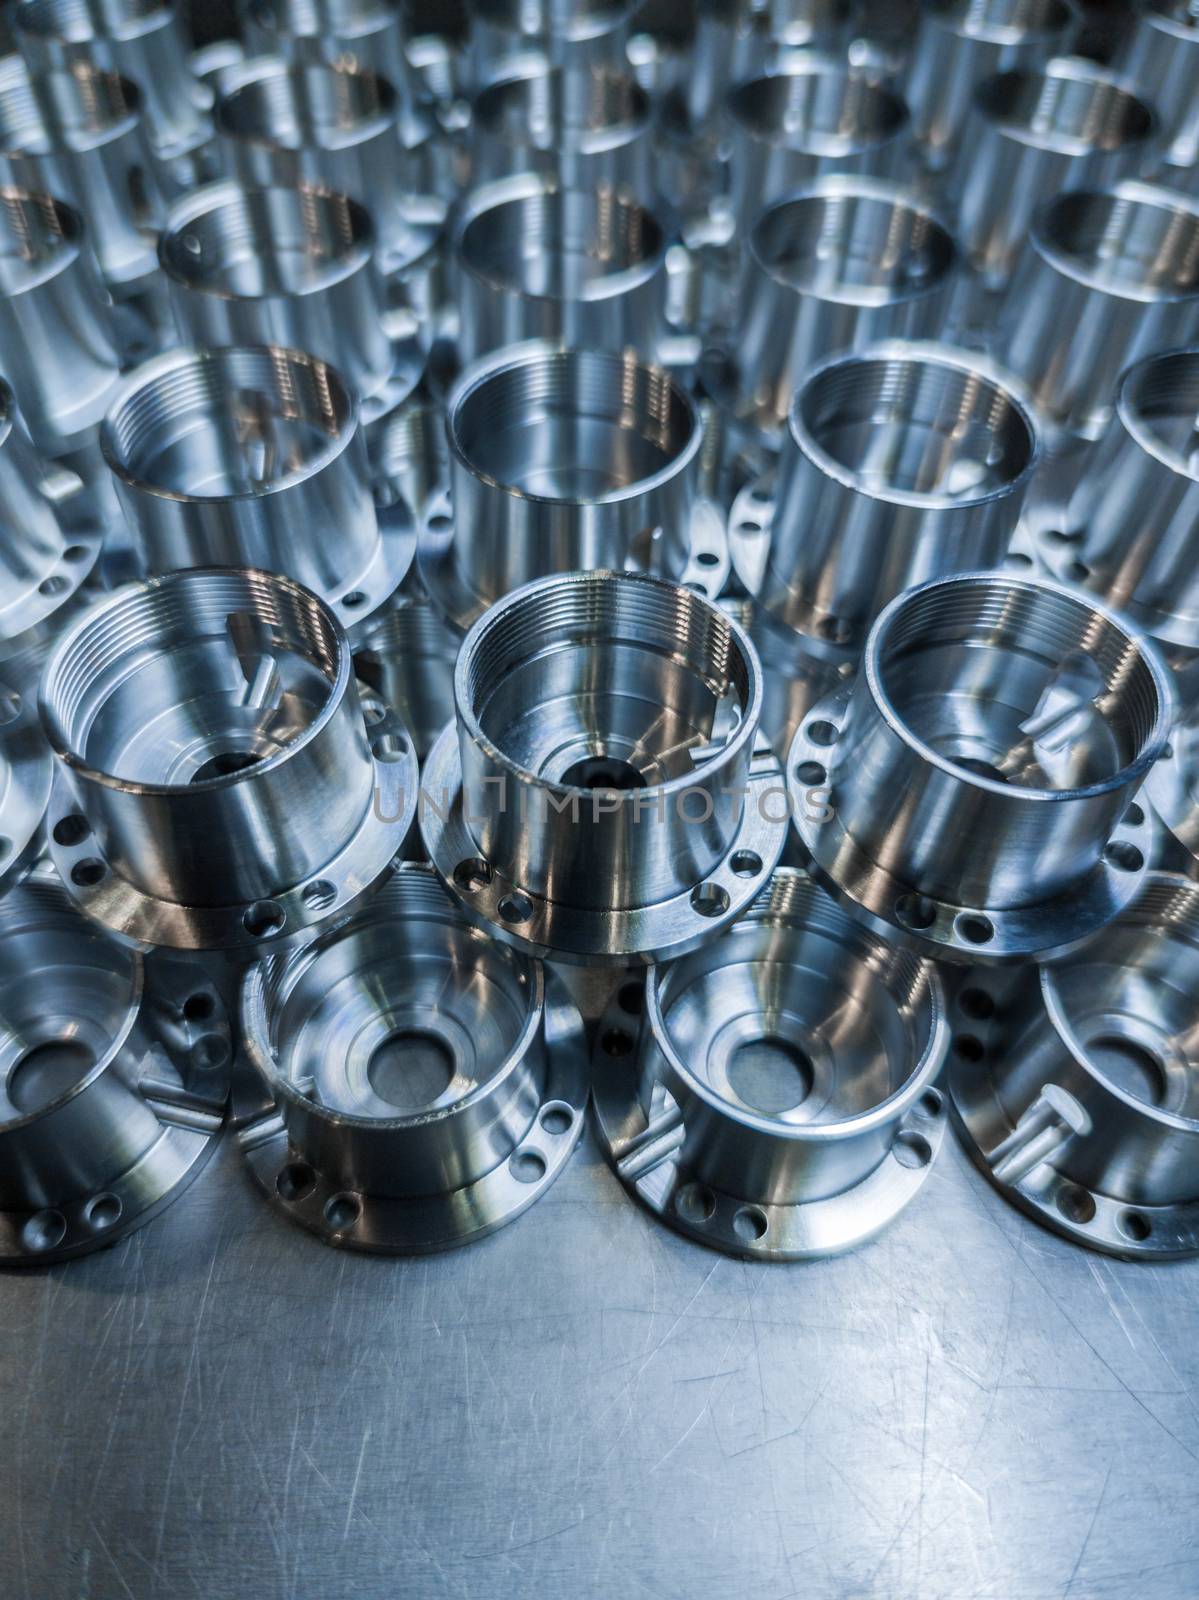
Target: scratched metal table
(585,1405)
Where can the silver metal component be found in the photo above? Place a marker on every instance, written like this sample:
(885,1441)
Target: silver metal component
(574,34)
(972,793)
(781,1105)
(807,117)
(1162,53)
(604,797)
(406,656)
(418,1085)
(962,42)
(901,463)
(253,457)
(561,460)
(1066,124)
(1109,275)
(219,785)
(1078,1095)
(366,34)
(737,39)
(113,1080)
(535,260)
(211,63)
(587,129)
(845,262)
(26,771)
(1172,787)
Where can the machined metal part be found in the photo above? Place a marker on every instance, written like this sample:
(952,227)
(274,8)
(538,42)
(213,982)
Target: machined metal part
(738,39)
(358,33)
(973,792)
(961,42)
(1066,124)
(406,655)
(253,457)
(1077,1095)
(212,61)
(1109,275)
(410,455)
(573,34)
(561,460)
(115,1073)
(605,797)
(581,267)
(417,1084)
(1162,52)
(220,786)
(809,116)
(902,462)
(1172,787)
(26,771)
(832,268)
(781,1105)
(586,129)
(143,40)
(1131,528)
(289,267)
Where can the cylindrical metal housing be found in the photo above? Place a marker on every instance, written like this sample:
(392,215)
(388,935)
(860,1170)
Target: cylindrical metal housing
(218,781)
(575,34)
(407,657)
(422,1084)
(1109,275)
(782,1103)
(1162,53)
(1078,1095)
(357,33)
(737,39)
(973,790)
(534,260)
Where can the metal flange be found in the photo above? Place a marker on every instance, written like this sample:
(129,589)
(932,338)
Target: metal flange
(781,1105)
(416,1085)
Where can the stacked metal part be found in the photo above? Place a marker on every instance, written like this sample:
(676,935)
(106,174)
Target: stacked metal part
(566,556)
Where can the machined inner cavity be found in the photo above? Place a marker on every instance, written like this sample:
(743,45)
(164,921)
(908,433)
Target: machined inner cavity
(560,244)
(67,995)
(316,106)
(192,678)
(1018,684)
(549,111)
(77,21)
(570,19)
(916,427)
(795,1014)
(859,245)
(605,682)
(1067,108)
(205,425)
(1127,241)
(406,1011)
(87,105)
(1003,21)
(1158,402)
(818,109)
(572,425)
(247,244)
(1131,998)
(39,236)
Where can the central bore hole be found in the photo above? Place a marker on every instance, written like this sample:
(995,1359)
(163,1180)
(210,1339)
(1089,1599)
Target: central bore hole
(603,772)
(771,1074)
(410,1069)
(1130,1067)
(220,766)
(46,1072)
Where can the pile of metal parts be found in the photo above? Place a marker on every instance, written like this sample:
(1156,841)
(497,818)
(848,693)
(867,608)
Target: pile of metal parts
(549,558)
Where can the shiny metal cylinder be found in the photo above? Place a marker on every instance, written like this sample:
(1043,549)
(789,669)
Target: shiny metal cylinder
(975,785)
(586,130)
(575,34)
(961,42)
(249,456)
(807,117)
(56,342)
(832,268)
(367,34)
(901,463)
(1108,276)
(143,40)
(422,1085)
(407,656)
(781,1105)
(218,783)
(561,460)
(1077,1094)
(1162,54)
(1030,135)
(534,260)
(1131,529)
(289,267)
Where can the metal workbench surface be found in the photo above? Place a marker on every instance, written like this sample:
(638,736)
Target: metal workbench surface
(585,1405)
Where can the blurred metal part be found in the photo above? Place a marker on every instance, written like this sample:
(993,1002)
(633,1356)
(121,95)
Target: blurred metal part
(972,793)
(115,1075)
(406,655)
(1162,54)
(219,785)
(365,34)
(418,1085)
(781,1105)
(26,771)
(605,797)
(1077,1095)
(575,34)
(409,454)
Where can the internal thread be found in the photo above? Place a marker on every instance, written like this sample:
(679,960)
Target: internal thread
(1164,901)
(1068,111)
(841,243)
(21,127)
(35,227)
(323,228)
(314,106)
(1125,241)
(87,102)
(1165,389)
(412,628)
(510,239)
(810,106)
(540,106)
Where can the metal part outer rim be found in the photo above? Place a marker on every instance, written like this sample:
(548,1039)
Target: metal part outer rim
(596,938)
(1057,557)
